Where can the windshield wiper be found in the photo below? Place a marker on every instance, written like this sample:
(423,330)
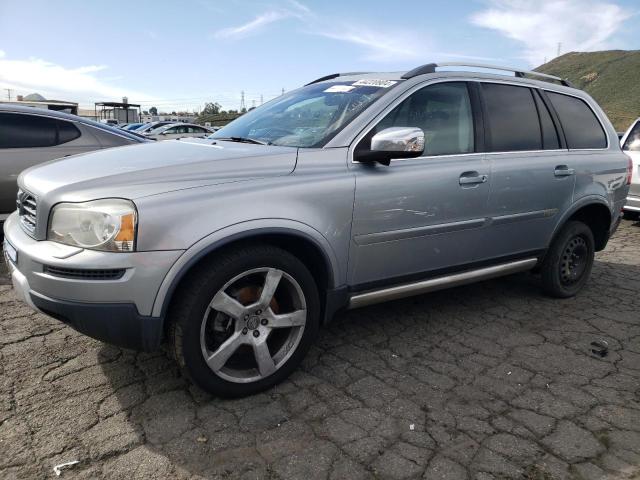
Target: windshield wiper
(243,140)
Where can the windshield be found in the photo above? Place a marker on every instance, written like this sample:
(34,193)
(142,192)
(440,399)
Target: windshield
(307,117)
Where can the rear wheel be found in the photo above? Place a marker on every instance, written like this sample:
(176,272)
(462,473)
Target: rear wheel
(568,262)
(245,320)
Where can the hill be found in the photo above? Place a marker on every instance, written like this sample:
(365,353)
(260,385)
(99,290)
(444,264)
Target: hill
(611,77)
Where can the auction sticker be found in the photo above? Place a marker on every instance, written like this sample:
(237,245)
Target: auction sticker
(339,89)
(373,82)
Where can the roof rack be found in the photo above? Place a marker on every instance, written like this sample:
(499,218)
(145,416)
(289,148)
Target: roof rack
(431,68)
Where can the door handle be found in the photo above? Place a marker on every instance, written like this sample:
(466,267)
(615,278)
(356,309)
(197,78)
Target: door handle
(470,178)
(563,171)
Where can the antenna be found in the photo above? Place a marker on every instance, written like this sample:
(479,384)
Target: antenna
(243,106)
(282,91)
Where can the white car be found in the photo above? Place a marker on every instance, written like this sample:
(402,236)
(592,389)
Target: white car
(631,146)
(178,130)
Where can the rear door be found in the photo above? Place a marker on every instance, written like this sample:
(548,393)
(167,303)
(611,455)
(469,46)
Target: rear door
(532,175)
(419,216)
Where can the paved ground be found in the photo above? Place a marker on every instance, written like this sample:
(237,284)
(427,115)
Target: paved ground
(485,381)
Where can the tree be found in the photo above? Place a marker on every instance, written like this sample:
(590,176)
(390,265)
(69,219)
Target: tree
(211,109)
(153,111)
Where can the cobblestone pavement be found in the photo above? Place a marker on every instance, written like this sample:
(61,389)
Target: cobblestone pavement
(486,381)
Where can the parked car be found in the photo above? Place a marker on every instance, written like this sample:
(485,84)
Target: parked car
(132,126)
(352,190)
(178,130)
(30,136)
(152,125)
(110,121)
(631,146)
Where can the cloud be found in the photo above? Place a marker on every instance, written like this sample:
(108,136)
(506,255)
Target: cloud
(390,46)
(56,81)
(253,26)
(579,25)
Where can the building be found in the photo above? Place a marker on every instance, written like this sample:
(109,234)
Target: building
(123,112)
(38,101)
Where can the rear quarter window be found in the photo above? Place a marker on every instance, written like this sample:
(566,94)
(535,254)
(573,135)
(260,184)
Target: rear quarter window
(67,132)
(581,127)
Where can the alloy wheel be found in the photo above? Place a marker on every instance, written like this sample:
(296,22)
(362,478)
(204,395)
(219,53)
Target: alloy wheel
(253,324)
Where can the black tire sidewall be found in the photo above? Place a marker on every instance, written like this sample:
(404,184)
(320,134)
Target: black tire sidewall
(212,281)
(551,280)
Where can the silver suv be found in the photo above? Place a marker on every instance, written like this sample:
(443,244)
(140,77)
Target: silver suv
(352,190)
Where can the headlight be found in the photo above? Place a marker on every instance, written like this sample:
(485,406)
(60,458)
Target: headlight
(100,225)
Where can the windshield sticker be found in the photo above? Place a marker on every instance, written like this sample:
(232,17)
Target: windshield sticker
(372,82)
(339,89)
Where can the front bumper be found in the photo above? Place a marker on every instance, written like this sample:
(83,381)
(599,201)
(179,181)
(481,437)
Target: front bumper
(633,204)
(116,311)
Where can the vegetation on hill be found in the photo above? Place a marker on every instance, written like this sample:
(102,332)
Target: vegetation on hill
(611,77)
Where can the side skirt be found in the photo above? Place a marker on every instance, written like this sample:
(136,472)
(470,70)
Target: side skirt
(438,283)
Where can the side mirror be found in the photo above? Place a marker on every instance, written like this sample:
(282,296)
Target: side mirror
(393,142)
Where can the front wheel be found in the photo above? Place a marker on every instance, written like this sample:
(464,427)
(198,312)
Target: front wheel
(244,321)
(568,262)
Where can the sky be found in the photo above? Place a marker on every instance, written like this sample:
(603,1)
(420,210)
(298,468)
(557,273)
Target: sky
(177,55)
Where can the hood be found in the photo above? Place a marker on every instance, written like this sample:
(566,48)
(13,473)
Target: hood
(151,168)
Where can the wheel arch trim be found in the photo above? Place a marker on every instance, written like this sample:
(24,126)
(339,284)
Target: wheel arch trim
(238,232)
(578,205)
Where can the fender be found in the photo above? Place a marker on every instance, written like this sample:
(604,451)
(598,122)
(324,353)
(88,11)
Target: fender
(582,202)
(240,231)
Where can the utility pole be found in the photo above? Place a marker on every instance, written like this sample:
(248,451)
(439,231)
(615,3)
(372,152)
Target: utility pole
(253,103)
(282,91)
(559,48)
(261,99)
(8,93)
(242,104)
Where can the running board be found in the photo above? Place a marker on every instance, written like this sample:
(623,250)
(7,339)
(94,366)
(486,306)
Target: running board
(439,283)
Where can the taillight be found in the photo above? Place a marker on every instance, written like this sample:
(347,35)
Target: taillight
(629,170)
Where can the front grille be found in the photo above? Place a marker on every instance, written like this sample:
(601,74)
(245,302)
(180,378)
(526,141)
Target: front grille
(27,210)
(85,274)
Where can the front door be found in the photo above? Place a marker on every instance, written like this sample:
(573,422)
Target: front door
(424,214)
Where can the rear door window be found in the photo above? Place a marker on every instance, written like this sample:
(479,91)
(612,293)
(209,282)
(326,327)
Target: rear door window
(632,143)
(512,118)
(581,126)
(27,131)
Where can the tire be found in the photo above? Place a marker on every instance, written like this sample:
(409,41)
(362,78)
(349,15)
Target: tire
(210,319)
(568,262)
(627,215)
